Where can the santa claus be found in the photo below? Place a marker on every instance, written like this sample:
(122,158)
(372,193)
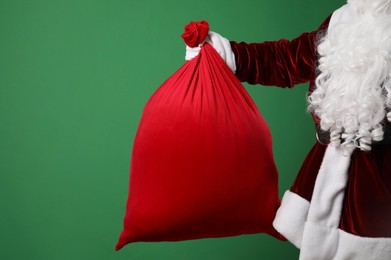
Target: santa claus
(339,206)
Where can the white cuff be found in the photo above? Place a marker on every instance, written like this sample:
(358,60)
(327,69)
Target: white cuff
(363,248)
(325,243)
(291,217)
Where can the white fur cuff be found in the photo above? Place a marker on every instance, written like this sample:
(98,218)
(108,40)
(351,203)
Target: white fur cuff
(324,243)
(363,248)
(291,217)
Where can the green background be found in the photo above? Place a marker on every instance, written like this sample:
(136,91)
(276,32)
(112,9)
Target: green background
(74,77)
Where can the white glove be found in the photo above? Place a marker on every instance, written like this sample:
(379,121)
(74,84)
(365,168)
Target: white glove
(220,44)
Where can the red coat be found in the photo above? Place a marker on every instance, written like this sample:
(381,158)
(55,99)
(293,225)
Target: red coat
(366,208)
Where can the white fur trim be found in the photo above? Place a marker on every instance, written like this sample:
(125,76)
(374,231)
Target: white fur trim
(320,236)
(362,248)
(329,189)
(319,242)
(291,217)
(325,207)
(336,244)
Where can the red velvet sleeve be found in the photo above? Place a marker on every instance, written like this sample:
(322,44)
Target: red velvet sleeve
(280,63)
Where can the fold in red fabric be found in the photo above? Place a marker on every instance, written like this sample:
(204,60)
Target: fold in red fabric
(202,163)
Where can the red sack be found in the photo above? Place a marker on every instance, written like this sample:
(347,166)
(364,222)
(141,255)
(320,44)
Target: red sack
(202,163)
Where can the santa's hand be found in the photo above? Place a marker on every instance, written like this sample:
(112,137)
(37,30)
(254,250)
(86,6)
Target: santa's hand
(192,52)
(220,44)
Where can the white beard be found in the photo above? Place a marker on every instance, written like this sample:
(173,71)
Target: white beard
(353,89)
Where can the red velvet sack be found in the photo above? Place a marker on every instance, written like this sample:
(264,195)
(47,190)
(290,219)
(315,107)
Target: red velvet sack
(202,163)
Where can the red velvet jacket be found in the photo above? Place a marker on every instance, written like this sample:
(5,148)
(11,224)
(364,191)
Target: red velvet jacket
(367,203)
(280,63)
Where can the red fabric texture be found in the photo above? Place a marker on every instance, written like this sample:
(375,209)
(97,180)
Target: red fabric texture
(280,63)
(366,209)
(202,163)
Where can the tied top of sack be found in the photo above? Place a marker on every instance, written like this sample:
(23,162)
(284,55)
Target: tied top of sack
(195,33)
